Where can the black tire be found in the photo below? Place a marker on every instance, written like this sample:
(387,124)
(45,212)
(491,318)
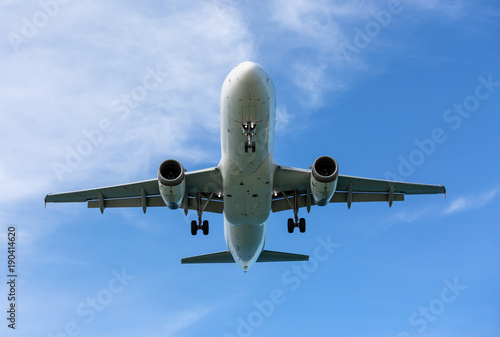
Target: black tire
(204,227)
(253,146)
(246,146)
(302,225)
(194,227)
(291,225)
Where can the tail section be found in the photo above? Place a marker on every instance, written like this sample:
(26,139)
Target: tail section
(226,257)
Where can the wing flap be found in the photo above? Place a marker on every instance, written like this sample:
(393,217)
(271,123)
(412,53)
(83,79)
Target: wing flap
(214,205)
(281,204)
(128,202)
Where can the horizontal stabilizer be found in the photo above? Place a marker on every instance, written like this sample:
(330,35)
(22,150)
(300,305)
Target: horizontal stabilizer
(226,257)
(270,256)
(220,257)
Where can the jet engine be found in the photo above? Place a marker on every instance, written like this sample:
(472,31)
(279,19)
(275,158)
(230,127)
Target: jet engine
(172,183)
(324,174)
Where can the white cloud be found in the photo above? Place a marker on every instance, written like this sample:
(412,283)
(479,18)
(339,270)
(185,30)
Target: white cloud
(472,202)
(282,118)
(310,78)
(67,79)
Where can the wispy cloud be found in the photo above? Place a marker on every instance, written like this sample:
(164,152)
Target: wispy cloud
(471,202)
(173,323)
(404,216)
(458,205)
(451,9)
(409,216)
(282,118)
(371,226)
(182,320)
(303,26)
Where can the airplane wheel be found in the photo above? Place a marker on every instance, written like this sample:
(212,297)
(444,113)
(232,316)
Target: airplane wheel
(194,227)
(302,225)
(204,227)
(291,225)
(246,147)
(253,146)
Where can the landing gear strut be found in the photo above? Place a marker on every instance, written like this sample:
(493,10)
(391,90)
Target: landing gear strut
(249,131)
(295,222)
(203,225)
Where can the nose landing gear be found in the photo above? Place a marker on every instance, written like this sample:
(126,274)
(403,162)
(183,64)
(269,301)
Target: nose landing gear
(249,145)
(249,131)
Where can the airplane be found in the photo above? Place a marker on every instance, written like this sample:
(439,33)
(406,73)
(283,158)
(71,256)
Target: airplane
(247,184)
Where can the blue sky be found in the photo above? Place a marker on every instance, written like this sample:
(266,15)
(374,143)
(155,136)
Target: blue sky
(408,90)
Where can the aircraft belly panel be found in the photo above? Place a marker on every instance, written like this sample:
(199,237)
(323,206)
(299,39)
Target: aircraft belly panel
(247,198)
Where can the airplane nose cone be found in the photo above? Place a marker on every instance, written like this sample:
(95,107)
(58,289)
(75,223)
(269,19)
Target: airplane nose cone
(249,73)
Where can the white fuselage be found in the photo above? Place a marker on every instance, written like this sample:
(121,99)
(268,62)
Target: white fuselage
(247,107)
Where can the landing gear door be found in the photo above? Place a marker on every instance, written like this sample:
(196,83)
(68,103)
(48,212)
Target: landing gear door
(249,113)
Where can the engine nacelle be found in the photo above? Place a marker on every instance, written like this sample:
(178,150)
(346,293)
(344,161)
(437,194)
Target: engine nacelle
(172,183)
(325,172)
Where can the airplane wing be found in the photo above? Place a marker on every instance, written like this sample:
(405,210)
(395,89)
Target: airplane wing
(201,186)
(291,183)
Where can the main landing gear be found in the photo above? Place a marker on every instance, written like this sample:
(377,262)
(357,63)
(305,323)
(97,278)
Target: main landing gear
(195,226)
(292,224)
(203,225)
(295,222)
(249,131)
